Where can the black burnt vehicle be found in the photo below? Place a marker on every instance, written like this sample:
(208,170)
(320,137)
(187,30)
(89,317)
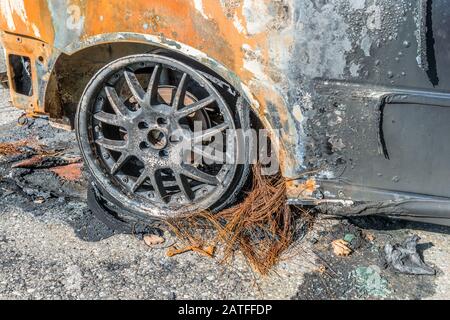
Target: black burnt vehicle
(354,95)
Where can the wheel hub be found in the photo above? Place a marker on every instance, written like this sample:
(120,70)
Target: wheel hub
(144,107)
(158,139)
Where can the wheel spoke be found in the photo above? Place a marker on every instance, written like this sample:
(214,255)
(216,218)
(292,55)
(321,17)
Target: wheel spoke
(208,134)
(108,118)
(184,186)
(158,185)
(120,162)
(135,87)
(198,175)
(152,91)
(116,103)
(195,107)
(180,95)
(113,145)
(143,177)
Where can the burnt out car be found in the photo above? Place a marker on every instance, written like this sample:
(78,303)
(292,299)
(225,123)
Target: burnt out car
(355,94)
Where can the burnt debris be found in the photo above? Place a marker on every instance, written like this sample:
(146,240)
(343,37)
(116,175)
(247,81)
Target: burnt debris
(405,258)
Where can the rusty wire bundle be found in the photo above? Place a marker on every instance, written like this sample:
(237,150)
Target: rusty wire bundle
(261,227)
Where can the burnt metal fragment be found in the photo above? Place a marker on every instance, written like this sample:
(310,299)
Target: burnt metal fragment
(404,258)
(46,162)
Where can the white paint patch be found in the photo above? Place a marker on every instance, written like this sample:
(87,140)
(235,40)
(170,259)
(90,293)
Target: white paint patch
(199,7)
(246,47)
(297,112)
(11,7)
(257,16)
(256,68)
(7,14)
(280,49)
(252,63)
(36,31)
(75,20)
(238,25)
(374,20)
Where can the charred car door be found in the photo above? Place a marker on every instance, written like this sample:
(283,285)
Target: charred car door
(381,125)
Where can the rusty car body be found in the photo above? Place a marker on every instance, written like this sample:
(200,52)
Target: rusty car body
(356,90)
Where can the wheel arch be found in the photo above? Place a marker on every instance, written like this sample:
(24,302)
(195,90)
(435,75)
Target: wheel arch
(105,48)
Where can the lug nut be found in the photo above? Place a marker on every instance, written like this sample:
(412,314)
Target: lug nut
(162,122)
(164,153)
